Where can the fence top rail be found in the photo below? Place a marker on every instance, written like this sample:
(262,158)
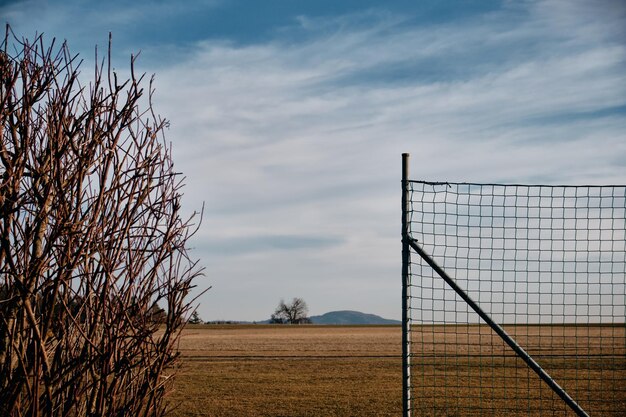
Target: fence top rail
(478,184)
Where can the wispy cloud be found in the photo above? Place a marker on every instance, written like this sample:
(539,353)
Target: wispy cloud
(305,137)
(294,141)
(244,245)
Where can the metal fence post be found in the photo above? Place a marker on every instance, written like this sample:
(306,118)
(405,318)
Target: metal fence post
(406,341)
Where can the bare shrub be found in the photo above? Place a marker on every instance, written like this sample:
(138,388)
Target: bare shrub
(92,241)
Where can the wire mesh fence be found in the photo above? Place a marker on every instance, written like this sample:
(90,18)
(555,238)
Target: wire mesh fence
(545,263)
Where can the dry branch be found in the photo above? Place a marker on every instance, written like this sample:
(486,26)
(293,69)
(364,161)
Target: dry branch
(92,241)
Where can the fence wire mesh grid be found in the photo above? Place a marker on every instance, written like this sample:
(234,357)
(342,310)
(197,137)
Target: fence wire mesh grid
(547,263)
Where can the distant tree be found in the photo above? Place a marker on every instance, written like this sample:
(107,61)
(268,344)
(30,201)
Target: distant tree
(91,238)
(156,314)
(292,313)
(195,318)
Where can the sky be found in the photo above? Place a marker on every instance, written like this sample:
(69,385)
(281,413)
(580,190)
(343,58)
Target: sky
(289,118)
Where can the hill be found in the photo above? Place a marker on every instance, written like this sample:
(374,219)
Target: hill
(350,317)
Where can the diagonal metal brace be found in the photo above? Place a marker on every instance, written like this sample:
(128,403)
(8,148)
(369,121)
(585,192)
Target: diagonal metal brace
(500,331)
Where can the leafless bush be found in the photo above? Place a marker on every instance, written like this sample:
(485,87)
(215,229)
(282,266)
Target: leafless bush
(91,240)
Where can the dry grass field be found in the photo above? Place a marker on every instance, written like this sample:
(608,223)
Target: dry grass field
(289,371)
(466,370)
(262,370)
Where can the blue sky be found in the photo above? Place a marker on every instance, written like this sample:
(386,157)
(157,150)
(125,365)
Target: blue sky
(289,118)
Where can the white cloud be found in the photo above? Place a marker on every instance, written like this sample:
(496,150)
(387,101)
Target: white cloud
(301,136)
(280,138)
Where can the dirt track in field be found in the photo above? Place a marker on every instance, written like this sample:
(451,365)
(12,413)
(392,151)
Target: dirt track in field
(291,341)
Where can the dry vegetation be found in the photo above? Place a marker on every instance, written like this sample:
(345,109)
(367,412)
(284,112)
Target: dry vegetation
(289,371)
(356,371)
(589,362)
(92,241)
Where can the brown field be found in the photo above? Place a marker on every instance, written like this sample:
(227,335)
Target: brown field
(289,371)
(261,370)
(487,378)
